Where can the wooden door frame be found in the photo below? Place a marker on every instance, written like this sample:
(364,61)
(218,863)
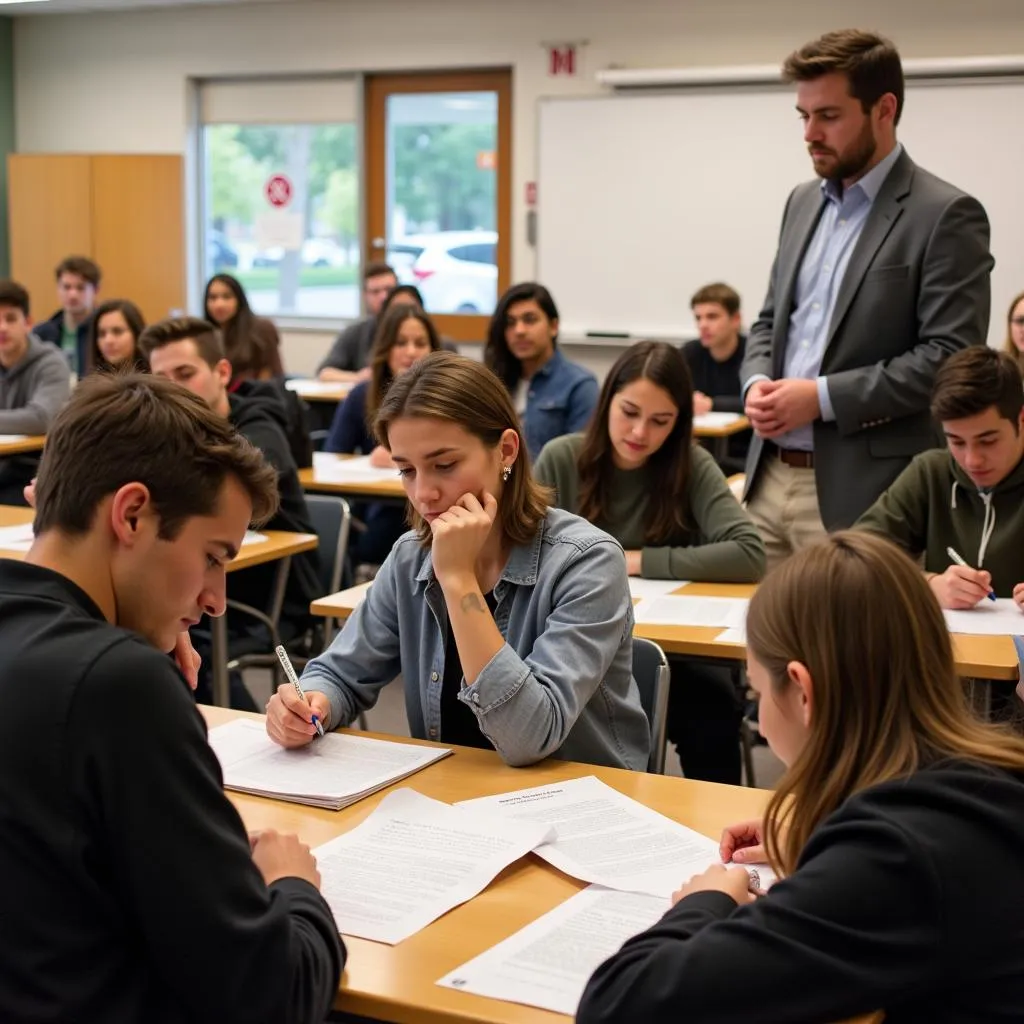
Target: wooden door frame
(377,88)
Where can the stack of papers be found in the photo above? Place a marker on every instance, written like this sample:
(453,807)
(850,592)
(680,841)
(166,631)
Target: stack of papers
(414,859)
(988,618)
(16,538)
(329,468)
(332,772)
(723,612)
(548,963)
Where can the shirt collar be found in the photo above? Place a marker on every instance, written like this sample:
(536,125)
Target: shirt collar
(870,185)
(551,365)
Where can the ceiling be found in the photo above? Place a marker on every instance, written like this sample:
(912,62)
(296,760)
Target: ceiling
(70,6)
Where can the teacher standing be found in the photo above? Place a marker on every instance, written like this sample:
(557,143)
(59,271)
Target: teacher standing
(882,271)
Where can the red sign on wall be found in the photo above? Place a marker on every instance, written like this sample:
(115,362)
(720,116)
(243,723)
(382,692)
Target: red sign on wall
(278,191)
(531,193)
(562,59)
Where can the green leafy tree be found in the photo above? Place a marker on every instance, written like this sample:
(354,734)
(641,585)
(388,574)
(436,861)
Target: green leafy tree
(341,205)
(236,177)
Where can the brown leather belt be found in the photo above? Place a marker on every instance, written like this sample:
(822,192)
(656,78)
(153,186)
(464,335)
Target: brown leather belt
(790,456)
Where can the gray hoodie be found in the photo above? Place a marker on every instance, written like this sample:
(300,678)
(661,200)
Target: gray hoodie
(33,391)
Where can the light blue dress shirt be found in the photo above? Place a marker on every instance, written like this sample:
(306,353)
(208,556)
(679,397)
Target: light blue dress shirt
(817,287)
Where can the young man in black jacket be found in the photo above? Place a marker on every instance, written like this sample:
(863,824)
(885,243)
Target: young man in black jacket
(189,351)
(78,283)
(131,890)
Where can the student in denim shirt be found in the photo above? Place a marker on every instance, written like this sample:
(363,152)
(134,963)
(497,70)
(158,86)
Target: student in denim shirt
(551,395)
(510,622)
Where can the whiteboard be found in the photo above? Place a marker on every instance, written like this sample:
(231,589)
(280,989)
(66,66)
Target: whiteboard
(645,197)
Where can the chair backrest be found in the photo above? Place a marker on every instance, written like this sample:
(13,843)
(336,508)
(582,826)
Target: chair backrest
(331,520)
(652,675)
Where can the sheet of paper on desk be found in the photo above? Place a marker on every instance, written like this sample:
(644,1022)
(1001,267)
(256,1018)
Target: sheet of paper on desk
(414,859)
(989,618)
(547,964)
(16,538)
(252,537)
(358,470)
(332,772)
(641,589)
(303,386)
(723,612)
(734,635)
(709,420)
(605,837)
(12,438)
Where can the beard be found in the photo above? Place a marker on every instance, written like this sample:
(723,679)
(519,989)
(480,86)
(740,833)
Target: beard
(853,161)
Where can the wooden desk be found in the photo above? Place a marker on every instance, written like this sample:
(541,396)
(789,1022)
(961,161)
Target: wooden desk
(390,491)
(397,983)
(977,657)
(278,547)
(311,390)
(719,435)
(22,446)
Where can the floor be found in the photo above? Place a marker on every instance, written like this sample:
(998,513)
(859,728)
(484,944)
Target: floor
(389,717)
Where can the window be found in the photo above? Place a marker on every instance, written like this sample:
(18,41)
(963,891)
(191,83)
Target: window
(280,189)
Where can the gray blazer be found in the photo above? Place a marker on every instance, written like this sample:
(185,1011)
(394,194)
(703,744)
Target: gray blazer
(916,290)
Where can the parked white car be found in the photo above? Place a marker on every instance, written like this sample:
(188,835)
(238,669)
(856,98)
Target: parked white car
(456,271)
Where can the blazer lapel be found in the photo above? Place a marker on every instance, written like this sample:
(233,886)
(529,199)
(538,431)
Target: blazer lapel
(805,221)
(885,211)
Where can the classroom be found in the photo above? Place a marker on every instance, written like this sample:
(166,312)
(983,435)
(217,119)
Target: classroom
(511,512)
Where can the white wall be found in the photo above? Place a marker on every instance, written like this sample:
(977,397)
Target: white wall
(116,82)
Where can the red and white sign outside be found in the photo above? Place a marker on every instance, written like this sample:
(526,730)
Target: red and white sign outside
(531,193)
(278,191)
(562,60)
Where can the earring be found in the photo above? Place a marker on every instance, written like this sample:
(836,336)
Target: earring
(506,472)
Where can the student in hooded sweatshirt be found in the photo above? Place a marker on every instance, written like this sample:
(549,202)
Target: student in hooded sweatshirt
(637,474)
(131,890)
(970,495)
(34,384)
(189,351)
(900,846)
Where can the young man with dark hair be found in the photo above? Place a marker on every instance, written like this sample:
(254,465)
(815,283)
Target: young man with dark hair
(881,272)
(969,497)
(34,384)
(715,359)
(190,352)
(131,890)
(78,283)
(350,353)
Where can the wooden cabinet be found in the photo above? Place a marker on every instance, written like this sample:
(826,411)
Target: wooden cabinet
(125,212)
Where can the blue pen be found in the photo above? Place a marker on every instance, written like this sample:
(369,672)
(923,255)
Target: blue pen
(289,671)
(959,561)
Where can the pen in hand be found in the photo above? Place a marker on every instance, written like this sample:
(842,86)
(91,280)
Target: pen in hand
(963,564)
(289,671)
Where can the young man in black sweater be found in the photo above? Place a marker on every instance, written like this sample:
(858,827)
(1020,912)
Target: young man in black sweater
(131,890)
(189,351)
(714,360)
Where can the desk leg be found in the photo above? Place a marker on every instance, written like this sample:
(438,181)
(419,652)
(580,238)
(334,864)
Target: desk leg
(219,679)
(720,448)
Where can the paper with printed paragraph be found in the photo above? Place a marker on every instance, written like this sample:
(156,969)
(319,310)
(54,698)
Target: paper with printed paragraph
(414,859)
(547,964)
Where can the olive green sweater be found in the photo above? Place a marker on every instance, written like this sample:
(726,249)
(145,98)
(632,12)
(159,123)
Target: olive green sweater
(722,545)
(933,504)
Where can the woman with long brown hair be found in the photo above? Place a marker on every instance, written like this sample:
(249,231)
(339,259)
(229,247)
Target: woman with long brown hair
(898,826)
(509,621)
(636,474)
(251,343)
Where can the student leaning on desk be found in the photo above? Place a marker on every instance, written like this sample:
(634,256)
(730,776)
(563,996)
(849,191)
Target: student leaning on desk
(131,890)
(899,823)
(510,622)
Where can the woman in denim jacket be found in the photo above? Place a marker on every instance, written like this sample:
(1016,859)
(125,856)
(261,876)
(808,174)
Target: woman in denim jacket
(551,395)
(509,621)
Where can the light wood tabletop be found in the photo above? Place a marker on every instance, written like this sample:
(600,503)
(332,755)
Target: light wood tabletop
(397,983)
(717,430)
(11,444)
(977,657)
(314,479)
(312,390)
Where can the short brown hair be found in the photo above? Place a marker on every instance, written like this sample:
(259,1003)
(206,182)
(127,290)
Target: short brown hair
(720,294)
(378,270)
(445,386)
(207,338)
(870,62)
(13,295)
(976,379)
(82,266)
(125,428)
